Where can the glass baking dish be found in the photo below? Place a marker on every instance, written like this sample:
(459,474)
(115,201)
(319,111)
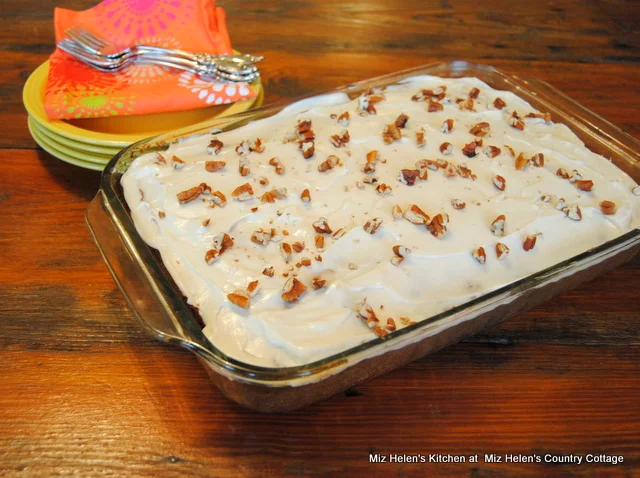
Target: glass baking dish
(161,308)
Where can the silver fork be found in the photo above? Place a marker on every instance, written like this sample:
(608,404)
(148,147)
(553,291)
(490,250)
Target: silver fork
(97,44)
(90,48)
(238,72)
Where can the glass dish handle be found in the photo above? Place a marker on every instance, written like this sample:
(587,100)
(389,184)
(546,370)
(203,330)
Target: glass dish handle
(131,279)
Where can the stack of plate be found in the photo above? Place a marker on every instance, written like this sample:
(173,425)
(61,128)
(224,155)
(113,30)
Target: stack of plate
(91,143)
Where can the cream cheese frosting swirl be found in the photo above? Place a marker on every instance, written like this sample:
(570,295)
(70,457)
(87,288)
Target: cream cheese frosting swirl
(356,265)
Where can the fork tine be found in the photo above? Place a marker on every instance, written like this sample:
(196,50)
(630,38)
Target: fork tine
(86,39)
(91,37)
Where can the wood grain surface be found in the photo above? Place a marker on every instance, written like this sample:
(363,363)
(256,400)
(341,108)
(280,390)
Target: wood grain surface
(84,391)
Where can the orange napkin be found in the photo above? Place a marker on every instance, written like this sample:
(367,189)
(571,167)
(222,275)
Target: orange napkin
(75,90)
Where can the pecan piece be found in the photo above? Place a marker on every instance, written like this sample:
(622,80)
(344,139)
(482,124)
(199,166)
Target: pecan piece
(434,106)
(415,215)
(319,242)
(479,255)
(243,192)
(497,226)
(480,129)
(538,160)
(177,163)
(308,148)
(400,254)
(420,140)
(285,250)
(268,271)
(215,146)
(305,196)
(573,212)
(473,94)
(492,151)
(502,251)
(458,204)
(372,225)
(192,193)
(328,164)
(396,212)
(438,225)
(562,173)
(471,149)
(298,246)
(499,103)
(446,148)
(515,121)
(447,126)
(584,184)
(499,182)
(292,289)
(244,167)
(383,189)
(521,162)
(530,242)
(322,226)
(214,166)
(277,164)
(391,133)
(318,283)
(401,120)
(608,207)
(339,140)
(409,176)
(239,298)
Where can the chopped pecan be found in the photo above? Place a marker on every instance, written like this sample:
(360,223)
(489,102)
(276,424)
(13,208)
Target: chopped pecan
(161,214)
(446,148)
(575,176)
(401,120)
(480,129)
(318,283)
(499,182)
(473,94)
(321,225)
(502,251)
(438,225)
(218,199)
(434,106)
(339,233)
(298,246)
(492,151)
(372,225)
(498,226)
(319,241)
(420,139)
(400,254)
(573,212)
(562,173)
(530,242)
(239,298)
(511,151)
(538,160)
(415,215)
(479,255)
(261,237)
(244,167)
(458,204)
(215,146)
(521,162)
(391,133)
(409,176)
(263,181)
(383,189)
(422,166)
(292,289)
(308,148)
(305,196)
(277,164)
(191,193)
(177,163)
(268,271)
(471,149)
(396,212)
(608,207)
(343,119)
(366,312)
(447,126)
(339,140)
(466,105)
(464,172)
(243,192)
(584,184)
(214,166)
(499,103)
(329,163)
(285,250)
(515,121)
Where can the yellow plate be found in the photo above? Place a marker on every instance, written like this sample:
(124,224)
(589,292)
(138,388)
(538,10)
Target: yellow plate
(76,152)
(71,143)
(123,130)
(60,155)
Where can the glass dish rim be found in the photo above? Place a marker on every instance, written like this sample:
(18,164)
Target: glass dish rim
(276,375)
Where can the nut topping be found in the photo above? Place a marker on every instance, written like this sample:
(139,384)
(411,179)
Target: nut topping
(298,246)
(510,149)
(243,192)
(383,189)
(305,196)
(502,251)
(240,298)
(492,151)
(438,225)
(471,149)
(319,241)
(401,120)
(447,126)
(248,146)
(608,207)
(521,162)
(446,148)
(515,121)
(584,184)
(396,212)
(530,242)
(391,133)
(292,289)
(499,103)
(372,225)
(192,193)
(480,129)
(285,250)
(422,166)
(538,160)
(479,255)
(573,212)
(409,176)
(263,181)
(215,146)
(415,215)
(434,106)
(317,283)
(339,140)
(261,237)
(269,271)
(499,182)
(497,226)
(177,163)
(473,94)
(218,199)
(458,204)
(331,162)
(343,119)
(277,164)
(562,173)
(214,166)
(243,167)
(308,148)
(401,254)
(420,140)
(322,226)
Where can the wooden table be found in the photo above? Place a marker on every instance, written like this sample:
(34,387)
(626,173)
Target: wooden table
(84,391)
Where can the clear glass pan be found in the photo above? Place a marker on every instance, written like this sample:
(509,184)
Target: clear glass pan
(161,308)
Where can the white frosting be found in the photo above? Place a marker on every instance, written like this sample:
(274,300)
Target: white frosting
(439,274)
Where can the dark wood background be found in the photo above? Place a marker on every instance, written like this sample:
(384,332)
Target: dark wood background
(84,391)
